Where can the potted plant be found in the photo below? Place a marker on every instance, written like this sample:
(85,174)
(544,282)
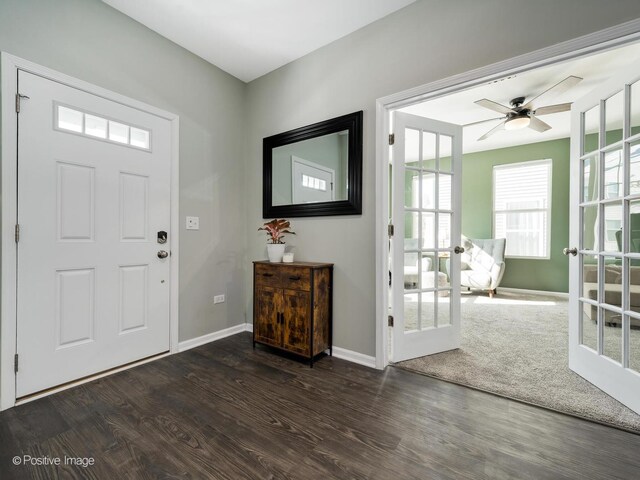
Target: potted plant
(276,229)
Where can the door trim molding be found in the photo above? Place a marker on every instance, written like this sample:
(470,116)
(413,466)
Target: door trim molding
(595,42)
(10,65)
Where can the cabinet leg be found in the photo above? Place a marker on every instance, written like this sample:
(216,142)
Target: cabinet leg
(311,362)
(331,351)
(254,345)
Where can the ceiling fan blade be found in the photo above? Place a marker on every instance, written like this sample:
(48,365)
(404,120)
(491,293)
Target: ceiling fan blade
(491,105)
(538,125)
(495,129)
(557,89)
(482,121)
(560,107)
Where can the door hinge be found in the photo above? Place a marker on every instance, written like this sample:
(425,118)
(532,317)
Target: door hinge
(392,138)
(15,363)
(390,320)
(18,97)
(390,230)
(17,233)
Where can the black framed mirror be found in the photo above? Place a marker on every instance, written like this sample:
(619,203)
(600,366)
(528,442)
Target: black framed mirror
(314,170)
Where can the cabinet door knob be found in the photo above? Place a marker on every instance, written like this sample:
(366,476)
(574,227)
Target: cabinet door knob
(267,274)
(295,277)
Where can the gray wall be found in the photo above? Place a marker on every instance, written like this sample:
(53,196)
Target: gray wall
(91,41)
(426,41)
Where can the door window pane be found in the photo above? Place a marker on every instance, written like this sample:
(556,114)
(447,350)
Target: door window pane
(444,193)
(95,126)
(427,310)
(634,228)
(118,132)
(590,179)
(445,153)
(589,277)
(70,119)
(613,227)
(613,174)
(444,308)
(411,146)
(412,188)
(411,313)
(444,230)
(429,151)
(140,138)
(591,123)
(634,168)
(614,113)
(589,319)
(634,342)
(428,230)
(590,228)
(612,335)
(635,108)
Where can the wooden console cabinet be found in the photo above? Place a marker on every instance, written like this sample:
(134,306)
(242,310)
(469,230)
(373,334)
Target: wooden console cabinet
(292,307)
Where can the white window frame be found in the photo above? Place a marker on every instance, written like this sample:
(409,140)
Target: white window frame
(546,161)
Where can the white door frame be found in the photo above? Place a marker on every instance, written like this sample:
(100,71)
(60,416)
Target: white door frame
(10,65)
(595,42)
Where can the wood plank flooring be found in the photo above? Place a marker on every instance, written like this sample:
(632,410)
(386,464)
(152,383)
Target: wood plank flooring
(224,411)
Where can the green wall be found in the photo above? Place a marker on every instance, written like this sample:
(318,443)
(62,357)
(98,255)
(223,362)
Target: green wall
(477,197)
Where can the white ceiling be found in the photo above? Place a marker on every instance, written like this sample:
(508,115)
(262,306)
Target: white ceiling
(249,38)
(459,108)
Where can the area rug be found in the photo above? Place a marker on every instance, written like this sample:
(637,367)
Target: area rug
(516,346)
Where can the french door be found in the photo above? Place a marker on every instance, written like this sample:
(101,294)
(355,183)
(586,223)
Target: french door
(93,252)
(604,322)
(426,168)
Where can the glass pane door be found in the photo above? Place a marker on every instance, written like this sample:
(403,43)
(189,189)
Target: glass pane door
(605,274)
(426,297)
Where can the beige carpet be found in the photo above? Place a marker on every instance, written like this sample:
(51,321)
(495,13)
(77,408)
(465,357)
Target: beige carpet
(517,346)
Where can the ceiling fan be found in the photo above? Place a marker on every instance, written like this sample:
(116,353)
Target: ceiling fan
(522,115)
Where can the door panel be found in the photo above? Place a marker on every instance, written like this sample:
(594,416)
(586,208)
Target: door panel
(604,318)
(296,313)
(426,200)
(268,305)
(93,183)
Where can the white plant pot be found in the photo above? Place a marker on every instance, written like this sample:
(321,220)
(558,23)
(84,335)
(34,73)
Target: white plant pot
(275,252)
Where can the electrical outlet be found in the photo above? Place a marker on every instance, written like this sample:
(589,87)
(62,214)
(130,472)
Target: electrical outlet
(218,299)
(193,223)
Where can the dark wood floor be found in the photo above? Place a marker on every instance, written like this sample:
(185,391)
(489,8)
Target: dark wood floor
(225,411)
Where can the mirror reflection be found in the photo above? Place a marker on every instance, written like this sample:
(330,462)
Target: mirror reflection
(312,170)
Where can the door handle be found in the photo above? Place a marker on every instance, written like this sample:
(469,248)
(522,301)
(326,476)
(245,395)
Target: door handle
(296,277)
(458,250)
(163,254)
(570,251)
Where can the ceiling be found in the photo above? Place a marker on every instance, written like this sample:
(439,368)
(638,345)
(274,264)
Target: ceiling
(459,108)
(250,38)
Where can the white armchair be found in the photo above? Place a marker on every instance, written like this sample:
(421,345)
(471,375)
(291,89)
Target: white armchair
(411,265)
(482,263)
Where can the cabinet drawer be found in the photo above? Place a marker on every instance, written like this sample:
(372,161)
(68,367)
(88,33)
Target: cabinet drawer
(267,275)
(295,278)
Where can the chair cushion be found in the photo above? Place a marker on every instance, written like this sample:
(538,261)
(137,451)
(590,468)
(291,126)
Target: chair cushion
(475,279)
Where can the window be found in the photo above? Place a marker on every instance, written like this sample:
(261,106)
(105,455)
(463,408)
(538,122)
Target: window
(314,183)
(522,207)
(77,121)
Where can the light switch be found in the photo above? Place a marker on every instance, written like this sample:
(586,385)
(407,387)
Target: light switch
(193,223)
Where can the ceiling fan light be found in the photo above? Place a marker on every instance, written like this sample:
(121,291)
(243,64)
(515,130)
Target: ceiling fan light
(516,123)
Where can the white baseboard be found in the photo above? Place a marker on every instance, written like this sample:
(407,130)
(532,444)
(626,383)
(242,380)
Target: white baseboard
(532,292)
(355,357)
(248,327)
(211,337)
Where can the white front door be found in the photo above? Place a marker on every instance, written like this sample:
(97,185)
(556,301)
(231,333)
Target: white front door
(426,169)
(311,182)
(604,320)
(93,193)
